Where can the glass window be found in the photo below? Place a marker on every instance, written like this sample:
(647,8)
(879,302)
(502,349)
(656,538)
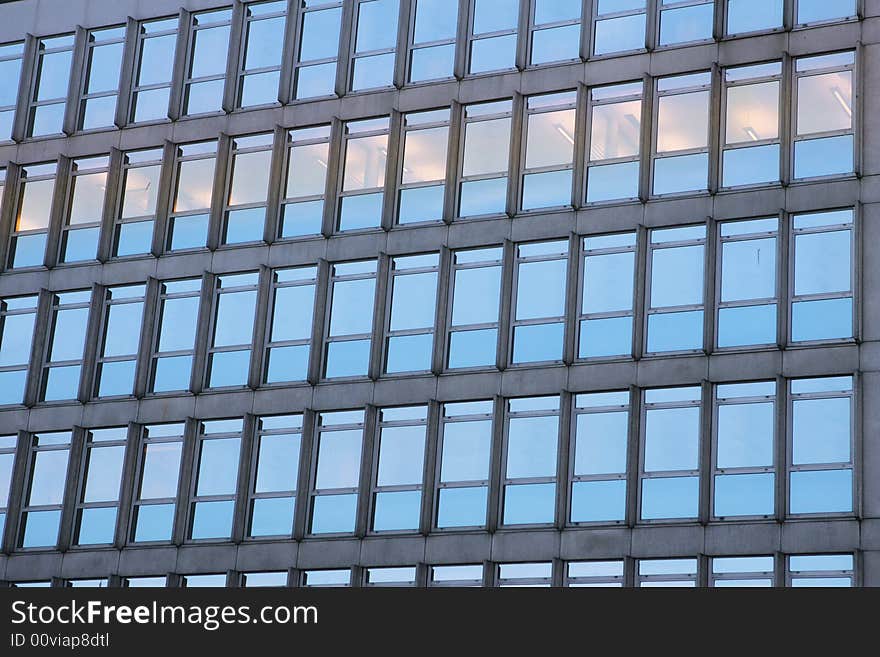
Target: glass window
(618,26)
(206,61)
(464,451)
(744,482)
(302,207)
(248,189)
(133,230)
(349,335)
(686,21)
(531,443)
(48,455)
(274,477)
(375,40)
(457,576)
(493,35)
(423,170)
(7,462)
(154,66)
(158,582)
(17,321)
(821,570)
(11,56)
(549,151)
(337,474)
(824,142)
(474,316)
(594,574)
(485,159)
(615,142)
(49,90)
(326,578)
(743,572)
(174,345)
(525,575)
(362,191)
(27,244)
(822,295)
(262,42)
(85,209)
(291,314)
(670,474)
(753,15)
(681,158)
(119,340)
(539,301)
(229,354)
(555,31)
(748,303)
(820,11)
(62,365)
(410,328)
(318,49)
(607,296)
(215,479)
(599,457)
(432,40)
(98,501)
(405,576)
(192,195)
(400,469)
(86,584)
(264,580)
(667,573)
(103,64)
(203,581)
(751,147)
(158,473)
(675,302)
(821,457)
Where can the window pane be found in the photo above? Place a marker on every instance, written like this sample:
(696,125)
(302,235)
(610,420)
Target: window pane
(753,15)
(824,103)
(753,112)
(683,122)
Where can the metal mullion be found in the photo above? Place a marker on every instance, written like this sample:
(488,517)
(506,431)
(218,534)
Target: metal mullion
(26,86)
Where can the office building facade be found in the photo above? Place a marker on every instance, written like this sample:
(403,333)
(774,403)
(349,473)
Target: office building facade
(439,293)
